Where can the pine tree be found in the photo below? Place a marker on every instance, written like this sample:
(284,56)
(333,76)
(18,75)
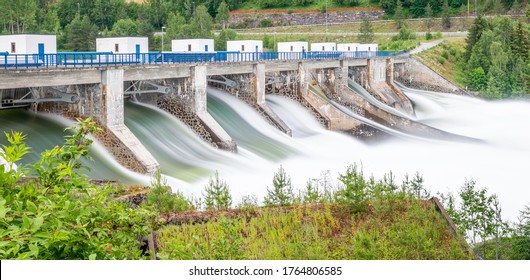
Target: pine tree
(520,41)
(366,32)
(428,15)
(217,194)
(446,19)
(398,15)
(475,32)
(201,23)
(80,35)
(223,15)
(282,192)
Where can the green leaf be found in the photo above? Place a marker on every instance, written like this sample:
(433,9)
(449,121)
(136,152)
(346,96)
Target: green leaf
(3,211)
(37,223)
(92,257)
(34,249)
(31,207)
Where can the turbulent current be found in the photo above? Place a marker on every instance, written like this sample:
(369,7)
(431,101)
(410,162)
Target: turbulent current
(499,162)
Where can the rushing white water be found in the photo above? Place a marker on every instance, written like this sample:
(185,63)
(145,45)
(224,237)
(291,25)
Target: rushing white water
(499,163)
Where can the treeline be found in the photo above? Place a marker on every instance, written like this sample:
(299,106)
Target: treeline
(78,22)
(497,57)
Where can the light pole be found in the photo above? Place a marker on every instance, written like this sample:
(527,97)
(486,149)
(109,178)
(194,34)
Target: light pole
(326,20)
(163,27)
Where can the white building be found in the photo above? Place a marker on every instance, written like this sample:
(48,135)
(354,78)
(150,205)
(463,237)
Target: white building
(192,45)
(244,46)
(292,47)
(28,44)
(368,48)
(350,47)
(123,45)
(323,47)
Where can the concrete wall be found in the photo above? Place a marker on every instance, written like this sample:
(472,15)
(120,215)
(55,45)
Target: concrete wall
(28,44)
(125,44)
(244,46)
(413,73)
(323,47)
(192,45)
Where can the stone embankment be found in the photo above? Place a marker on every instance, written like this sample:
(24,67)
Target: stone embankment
(285,19)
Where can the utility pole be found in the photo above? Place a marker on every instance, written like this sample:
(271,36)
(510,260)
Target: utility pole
(326,20)
(163,27)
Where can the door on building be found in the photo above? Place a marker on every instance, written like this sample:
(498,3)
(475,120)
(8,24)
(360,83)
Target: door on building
(41,51)
(137,51)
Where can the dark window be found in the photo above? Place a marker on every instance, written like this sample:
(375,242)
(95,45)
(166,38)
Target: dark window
(189,48)
(242,48)
(291,48)
(348,48)
(116,47)
(13,47)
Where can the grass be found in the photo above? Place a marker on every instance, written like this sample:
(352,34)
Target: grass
(445,59)
(395,229)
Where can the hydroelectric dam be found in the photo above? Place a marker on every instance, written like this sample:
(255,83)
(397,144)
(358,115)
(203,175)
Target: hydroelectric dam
(194,117)
(351,92)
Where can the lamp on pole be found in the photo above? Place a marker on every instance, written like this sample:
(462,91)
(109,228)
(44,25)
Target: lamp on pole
(163,27)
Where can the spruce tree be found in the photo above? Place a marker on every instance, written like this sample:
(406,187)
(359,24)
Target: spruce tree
(366,32)
(446,19)
(282,192)
(398,15)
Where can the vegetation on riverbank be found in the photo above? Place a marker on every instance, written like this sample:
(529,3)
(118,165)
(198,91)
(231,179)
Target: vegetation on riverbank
(59,214)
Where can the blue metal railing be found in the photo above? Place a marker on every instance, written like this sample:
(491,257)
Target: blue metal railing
(99,59)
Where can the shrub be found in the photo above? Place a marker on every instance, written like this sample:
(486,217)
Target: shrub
(164,200)
(441,60)
(282,192)
(265,23)
(438,35)
(59,214)
(428,36)
(355,191)
(217,194)
(445,54)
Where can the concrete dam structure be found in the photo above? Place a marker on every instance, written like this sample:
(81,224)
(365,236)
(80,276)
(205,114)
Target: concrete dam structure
(325,87)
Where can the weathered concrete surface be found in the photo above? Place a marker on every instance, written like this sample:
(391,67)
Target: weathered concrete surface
(417,75)
(338,120)
(377,79)
(127,145)
(219,135)
(263,107)
(48,78)
(167,71)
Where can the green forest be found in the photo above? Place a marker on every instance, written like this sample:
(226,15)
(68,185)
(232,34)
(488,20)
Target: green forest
(78,22)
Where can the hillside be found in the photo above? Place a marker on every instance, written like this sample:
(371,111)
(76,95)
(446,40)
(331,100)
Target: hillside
(399,229)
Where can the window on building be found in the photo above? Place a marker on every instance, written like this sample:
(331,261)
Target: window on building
(369,48)
(116,47)
(242,48)
(13,47)
(291,48)
(348,48)
(189,47)
(323,48)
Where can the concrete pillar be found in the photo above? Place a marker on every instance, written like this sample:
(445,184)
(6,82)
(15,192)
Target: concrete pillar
(218,134)
(112,95)
(303,73)
(341,78)
(259,92)
(259,78)
(121,142)
(200,84)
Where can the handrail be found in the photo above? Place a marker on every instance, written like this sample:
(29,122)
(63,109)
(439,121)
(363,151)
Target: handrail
(106,59)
